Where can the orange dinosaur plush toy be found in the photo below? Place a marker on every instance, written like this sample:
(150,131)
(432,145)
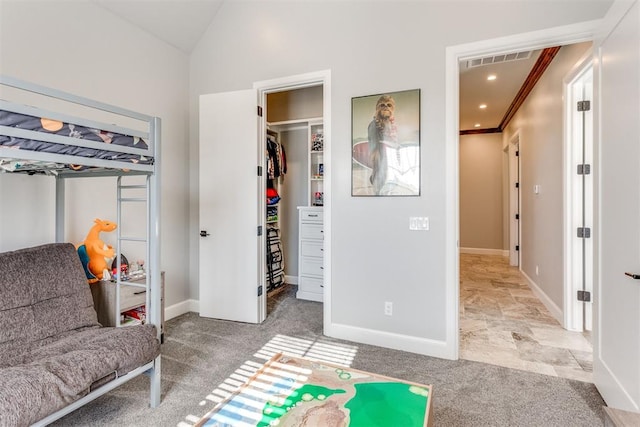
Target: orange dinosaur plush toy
(94,253)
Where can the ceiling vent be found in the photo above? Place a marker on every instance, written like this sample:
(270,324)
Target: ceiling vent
(497,59)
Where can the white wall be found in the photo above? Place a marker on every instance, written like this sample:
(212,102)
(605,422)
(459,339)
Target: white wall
(305,103)
(481,191)
(370,48)
(294,193)
(539,121)
(80,48)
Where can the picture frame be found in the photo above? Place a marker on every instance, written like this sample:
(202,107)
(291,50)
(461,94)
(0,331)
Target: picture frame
(385,144)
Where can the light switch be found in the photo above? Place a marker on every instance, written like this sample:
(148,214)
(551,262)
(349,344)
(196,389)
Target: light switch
(425,223)
(413,223)
(420,223)
(536,189)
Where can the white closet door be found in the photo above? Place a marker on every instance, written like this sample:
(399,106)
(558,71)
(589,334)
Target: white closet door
(616,352)
(229,205)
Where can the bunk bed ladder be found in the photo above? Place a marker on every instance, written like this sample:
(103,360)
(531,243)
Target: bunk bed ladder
(122,189)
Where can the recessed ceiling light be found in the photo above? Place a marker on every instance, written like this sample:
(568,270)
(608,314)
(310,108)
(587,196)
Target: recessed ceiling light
(491,77)
(482,106)
(477,125)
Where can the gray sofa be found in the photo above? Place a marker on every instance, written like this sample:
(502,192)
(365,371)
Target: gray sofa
(53,351)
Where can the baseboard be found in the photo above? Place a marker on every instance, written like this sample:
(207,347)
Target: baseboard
(408,343)
(180,308)
(292,280)
(555,311)
(484,251)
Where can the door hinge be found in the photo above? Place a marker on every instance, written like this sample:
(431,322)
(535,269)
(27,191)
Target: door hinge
(259,170)
(584,232)
(517,216)
(517,185)
(518,153)
(517,247)
(584,169)
(584,105)
(260,290)
(259,230)
(584,296)
(259,111)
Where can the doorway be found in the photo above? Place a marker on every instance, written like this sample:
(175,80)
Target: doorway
(294,174)
(538,40)
(233,203)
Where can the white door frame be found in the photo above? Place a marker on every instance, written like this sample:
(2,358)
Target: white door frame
(573,309)
(298,82)
(556,36)
(514,199)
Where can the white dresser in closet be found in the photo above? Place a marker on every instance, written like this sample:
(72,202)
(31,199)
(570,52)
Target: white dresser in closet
(310,253)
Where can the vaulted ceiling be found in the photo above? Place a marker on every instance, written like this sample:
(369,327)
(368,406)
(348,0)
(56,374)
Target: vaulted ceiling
(182,23)
(179,23)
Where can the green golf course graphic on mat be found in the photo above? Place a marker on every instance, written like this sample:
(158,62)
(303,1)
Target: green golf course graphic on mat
(290,391)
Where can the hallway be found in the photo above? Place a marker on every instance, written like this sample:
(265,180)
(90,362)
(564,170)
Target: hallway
(503,323)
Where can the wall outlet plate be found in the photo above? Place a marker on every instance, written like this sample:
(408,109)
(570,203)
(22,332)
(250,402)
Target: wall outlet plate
(419,223)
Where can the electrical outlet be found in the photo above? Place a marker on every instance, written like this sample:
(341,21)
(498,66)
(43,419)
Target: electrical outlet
(388,308)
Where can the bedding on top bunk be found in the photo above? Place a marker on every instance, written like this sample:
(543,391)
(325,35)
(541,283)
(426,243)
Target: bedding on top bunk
(44,125)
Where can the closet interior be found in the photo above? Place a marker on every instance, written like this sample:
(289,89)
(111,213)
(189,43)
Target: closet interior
(294,192)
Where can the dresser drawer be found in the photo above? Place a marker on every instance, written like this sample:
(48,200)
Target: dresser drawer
(311,266)
(308,284)
(311,248)
(311,216)
(311,231)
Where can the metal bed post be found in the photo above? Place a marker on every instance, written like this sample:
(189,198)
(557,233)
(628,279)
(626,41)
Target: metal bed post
(60,198)
(118,248)
(153,246)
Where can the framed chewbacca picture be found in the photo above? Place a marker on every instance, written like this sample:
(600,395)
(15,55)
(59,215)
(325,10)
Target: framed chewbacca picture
(385,137)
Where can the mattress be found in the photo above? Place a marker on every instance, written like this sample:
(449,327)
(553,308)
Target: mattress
(46,126)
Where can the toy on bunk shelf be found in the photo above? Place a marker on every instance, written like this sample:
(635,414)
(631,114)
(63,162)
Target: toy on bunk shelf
(94,253)
(124,268)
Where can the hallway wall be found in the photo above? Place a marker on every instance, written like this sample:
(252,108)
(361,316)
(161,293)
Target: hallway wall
(540,122)
(481,188)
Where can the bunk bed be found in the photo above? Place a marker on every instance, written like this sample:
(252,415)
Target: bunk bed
(65,146)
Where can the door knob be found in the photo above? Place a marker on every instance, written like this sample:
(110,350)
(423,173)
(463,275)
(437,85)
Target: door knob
(203,233)
(633,276)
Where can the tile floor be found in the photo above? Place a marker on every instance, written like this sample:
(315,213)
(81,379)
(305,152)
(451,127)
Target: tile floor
(503,323)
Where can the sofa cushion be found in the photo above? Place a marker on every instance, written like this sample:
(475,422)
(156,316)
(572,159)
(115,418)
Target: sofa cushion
(43,294)
(64,369)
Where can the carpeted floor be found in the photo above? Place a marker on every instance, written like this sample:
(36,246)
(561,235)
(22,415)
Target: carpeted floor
(199,354)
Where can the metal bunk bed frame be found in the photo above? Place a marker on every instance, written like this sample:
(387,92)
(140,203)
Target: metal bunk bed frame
(107,168)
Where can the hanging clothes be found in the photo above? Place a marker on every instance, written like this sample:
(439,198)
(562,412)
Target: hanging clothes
(277,160)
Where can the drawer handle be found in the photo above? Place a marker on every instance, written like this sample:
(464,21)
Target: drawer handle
(313,215)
